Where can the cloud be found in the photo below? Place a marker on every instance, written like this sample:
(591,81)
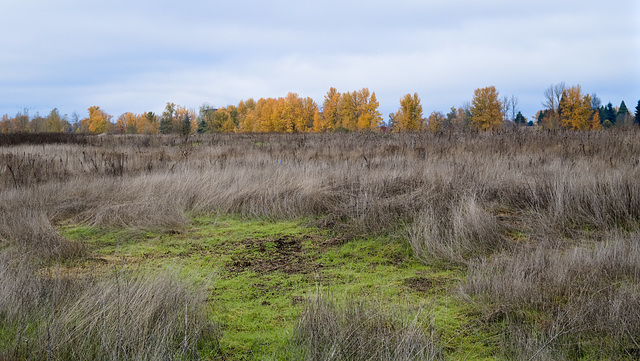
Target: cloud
(137,55)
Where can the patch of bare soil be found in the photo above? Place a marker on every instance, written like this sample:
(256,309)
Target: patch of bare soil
(284,253)
(423,284)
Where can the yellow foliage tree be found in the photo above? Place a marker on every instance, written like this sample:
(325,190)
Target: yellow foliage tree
(128,123)
(595,121)
(369,118)
(330,111)
(486,109)
(348,117)
(179,115)
(575,109)
(309,110)
(435,122)
(148,124)
(409,116)
(98,121)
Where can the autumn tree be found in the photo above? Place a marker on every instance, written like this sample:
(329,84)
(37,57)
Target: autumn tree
(38,124)
(309,112)
(368,116)
(181,113)
(223,120)
(292,114)
(166,122)
(54,122)
(594,121)
(98,121)
(128,123)
(486,109)
(205,118)
(409,117)
(248,112)
(4,124)
(575,109)
(244,109)
(347,111)
(120,127)
(459,118)
(20,123)
(436,122)
(330,111)
(148,124)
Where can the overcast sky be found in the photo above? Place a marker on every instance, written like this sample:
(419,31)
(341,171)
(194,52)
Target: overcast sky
(137,55)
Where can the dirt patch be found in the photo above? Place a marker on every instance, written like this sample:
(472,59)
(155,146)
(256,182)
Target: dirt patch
(264,255)
(427,284)
(419,284)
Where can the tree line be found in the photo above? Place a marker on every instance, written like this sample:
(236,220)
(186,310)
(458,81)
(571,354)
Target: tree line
(564,108)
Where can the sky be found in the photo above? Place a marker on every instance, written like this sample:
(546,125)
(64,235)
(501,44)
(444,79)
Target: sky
(137,55)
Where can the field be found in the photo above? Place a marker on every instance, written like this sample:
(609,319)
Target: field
(516,245)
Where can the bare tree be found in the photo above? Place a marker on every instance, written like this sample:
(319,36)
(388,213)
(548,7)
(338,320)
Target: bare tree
(506,105)
(552,96)
(513,104)
(558,90)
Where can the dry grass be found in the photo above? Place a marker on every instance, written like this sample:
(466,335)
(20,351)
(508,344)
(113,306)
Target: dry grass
(53,315)
(563,204)
(574,294)
(359,331)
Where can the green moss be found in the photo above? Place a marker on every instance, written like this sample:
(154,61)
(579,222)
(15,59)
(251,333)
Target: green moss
(260,273)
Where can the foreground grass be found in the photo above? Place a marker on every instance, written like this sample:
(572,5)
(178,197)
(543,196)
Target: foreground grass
(259,275)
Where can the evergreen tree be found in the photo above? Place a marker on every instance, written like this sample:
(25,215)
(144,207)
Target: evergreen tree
(520,119)
(609,114)
(637,118)
(185,125)
(623,109)
(202,126)
(166,124)
(624,116)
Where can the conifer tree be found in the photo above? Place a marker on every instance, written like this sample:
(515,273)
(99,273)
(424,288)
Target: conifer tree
(609,114)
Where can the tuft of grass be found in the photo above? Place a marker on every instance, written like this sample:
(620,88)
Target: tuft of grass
(572,295)
(360,331)
(52,314)
(456,232)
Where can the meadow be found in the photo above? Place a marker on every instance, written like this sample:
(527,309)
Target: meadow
(512,245)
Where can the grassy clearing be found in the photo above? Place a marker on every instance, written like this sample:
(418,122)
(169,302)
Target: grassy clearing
(259,276)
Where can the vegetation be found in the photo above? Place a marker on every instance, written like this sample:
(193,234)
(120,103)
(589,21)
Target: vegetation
(564,108)
(517,244)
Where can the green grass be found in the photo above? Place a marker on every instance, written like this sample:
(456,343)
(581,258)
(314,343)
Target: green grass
(260,273)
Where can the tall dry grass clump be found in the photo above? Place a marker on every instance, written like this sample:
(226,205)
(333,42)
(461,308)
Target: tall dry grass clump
(575,293)
(457,230)
(49,315)
(29,231)
(359,331)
